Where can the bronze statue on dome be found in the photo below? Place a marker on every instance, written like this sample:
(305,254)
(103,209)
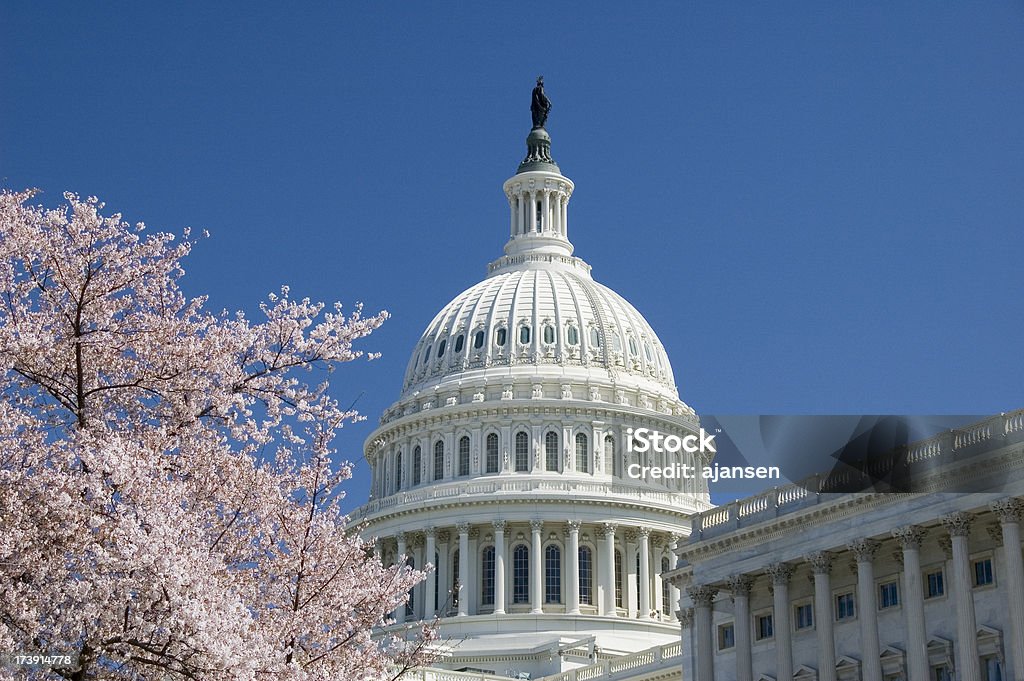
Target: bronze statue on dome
(540,105)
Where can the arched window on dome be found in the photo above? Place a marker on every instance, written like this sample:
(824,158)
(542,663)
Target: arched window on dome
(492,453)
(487,576)
(582,453)
(666,598)
(500,336)
(586,564)
(417,465)
(455,579)
(618,578)
(633,349)
(549,334)
(460,341)
(522,452)
(647,352)
(521,574)
(440,347)
(426,354)
(610,463)
(464,455)
(478,339)
(572,335)
(595,337)
(616,342)
(438,460)
(551,451)
(552,574)
(399,470)
(524,334)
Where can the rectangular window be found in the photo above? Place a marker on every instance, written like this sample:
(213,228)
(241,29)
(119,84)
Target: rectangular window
(726,636)
(888,595)
(991,669)
(934,584)
(764,627)
(804,616)
(844,607)
(983,572)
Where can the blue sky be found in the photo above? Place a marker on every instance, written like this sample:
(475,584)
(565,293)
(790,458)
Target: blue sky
(818,206)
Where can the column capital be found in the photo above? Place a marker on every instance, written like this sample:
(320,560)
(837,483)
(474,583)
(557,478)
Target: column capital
(864,550)
(632,534)
(498,525)
(462,528)
(995,532)
(685,617)
(443,536)
(821,562)
(740,584)
(1009,510)
(909,536)
(780,573)
(400,536)
(536,525)
(958,524)
(702,595)
(606,529)
(644,532)
(573,526)
(430,532)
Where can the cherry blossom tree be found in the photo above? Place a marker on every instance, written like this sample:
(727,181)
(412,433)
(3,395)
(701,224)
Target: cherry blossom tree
(168,504)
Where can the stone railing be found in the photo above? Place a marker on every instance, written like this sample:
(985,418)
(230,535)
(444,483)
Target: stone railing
(508,485)
(627,665)
(812,490)
(429,674)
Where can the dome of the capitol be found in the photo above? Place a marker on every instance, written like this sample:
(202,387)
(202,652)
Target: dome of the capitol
(505,464)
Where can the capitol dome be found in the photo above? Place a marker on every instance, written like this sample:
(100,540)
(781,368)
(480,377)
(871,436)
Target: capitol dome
(505,464)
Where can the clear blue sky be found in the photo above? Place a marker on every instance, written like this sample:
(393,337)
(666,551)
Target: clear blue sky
(819,206)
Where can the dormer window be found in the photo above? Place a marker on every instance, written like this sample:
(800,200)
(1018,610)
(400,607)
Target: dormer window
(459,342)
(426,354)
(595,337)
(524,335)
(633,349)
(478,340)
(440,348)
(647,352)
(549,334)
(572,335)
(500,337)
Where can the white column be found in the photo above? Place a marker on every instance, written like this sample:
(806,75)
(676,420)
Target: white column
(556,213)
(1010,512)
(864,551)
(686,629)
(531,215)
(780,574)
(463,592)
(573,563)
(545,218)
(645,573)
(702,597)
(402,560)
(565,216)
(673,590)
(520,214)
(512,216)
(536,568)
(821,563)
(609,561)
(967,664)
(910,538)
(429,592)
(499,566)
(740,587)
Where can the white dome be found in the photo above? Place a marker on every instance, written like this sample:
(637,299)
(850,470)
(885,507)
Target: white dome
(531,313)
